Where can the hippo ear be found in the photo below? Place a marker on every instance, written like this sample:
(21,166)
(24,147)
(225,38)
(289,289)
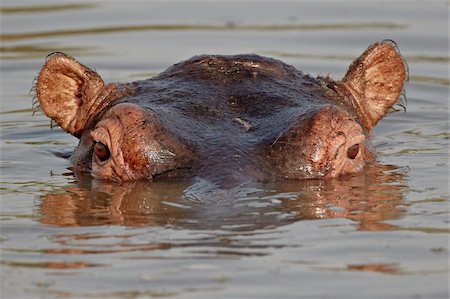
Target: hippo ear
(68,92)
(376,80)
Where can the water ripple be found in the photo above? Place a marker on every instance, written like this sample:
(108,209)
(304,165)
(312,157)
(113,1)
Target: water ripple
(227,27)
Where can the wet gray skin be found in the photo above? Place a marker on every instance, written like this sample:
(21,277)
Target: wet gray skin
(224,118)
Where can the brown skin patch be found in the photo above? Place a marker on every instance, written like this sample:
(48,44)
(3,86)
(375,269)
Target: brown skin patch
(138,146)
(318,146)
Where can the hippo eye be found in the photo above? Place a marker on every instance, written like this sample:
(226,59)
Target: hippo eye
(101,151)
(353,151)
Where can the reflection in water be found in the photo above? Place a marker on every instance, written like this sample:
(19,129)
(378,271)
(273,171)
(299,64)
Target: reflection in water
(53,265)
(368,199)
(390,268)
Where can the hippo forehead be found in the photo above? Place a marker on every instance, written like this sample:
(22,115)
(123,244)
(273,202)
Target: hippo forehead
(219,98)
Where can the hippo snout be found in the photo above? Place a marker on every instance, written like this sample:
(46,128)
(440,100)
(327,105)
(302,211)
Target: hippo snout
(328,144)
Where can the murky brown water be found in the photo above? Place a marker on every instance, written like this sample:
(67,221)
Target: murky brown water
(381,234)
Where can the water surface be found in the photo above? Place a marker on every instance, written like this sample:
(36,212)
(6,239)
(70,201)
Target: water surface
(380,234)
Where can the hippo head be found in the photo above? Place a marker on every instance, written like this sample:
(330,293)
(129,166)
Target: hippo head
(223,117)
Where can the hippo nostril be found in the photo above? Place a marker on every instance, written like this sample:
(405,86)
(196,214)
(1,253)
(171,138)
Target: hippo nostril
(353,151)
(101,151)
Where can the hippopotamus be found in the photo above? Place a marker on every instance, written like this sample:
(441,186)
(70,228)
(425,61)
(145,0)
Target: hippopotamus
(243,117)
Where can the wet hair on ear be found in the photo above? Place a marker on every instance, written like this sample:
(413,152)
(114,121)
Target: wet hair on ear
(68,92)
(376,80)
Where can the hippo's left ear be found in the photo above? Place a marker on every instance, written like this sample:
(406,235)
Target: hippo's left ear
(376,81)
(69,92)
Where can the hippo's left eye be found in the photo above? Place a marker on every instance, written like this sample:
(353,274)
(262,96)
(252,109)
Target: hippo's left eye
(101,151)
(353,151)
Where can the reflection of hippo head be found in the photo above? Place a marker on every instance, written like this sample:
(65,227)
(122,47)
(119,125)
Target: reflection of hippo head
(223,116)
(368,199)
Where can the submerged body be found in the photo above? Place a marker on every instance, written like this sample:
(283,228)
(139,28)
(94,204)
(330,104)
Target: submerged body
(226,117)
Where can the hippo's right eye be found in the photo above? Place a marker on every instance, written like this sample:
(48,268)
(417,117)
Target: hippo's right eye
(101,151)
(353,151)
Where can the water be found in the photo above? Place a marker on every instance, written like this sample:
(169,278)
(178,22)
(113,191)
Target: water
(381,234)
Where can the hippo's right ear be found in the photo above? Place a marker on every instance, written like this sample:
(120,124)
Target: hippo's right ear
(69,92)
(376,80)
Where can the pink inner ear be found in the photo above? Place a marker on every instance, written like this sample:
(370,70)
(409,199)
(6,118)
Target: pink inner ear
(68,92)
(376,81)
